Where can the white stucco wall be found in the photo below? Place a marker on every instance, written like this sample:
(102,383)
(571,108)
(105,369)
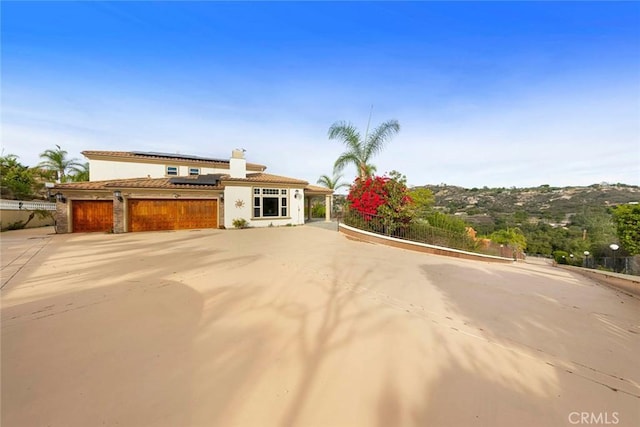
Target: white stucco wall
(238,203)
(297,206)
(100,170)
(238,168)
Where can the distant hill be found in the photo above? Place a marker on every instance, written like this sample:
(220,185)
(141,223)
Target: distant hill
(553,205)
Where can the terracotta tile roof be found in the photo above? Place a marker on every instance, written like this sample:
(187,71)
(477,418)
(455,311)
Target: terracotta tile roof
(90,154)
(318,189)
(266,178)
(133,183)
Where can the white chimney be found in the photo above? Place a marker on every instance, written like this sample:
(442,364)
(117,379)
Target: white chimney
(237,164)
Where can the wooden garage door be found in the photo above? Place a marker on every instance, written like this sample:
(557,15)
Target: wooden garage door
(92,215)
(151,215)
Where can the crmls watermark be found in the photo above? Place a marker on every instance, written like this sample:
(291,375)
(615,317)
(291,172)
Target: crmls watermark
(594,418)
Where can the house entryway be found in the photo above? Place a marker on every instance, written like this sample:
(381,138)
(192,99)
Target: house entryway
(321,223)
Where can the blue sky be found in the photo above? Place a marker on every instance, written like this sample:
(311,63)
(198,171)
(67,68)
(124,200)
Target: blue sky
(487,94)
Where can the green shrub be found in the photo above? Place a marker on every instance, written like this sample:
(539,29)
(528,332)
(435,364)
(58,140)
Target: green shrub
(446,222)
(18,225)
(318,211)
(240,223)
(561,257)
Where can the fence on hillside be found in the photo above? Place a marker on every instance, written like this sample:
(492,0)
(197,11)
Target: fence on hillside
(623,264)
(619,264)
(422,232)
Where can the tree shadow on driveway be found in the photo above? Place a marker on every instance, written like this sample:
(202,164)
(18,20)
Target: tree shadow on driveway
(107,355)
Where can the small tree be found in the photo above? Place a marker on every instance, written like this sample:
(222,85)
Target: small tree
(16,180)
(512,237)
(424,199)
(446,222)
(627,220)
(399,209)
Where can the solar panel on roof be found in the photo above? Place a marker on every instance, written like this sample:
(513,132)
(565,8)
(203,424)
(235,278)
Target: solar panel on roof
(177,156)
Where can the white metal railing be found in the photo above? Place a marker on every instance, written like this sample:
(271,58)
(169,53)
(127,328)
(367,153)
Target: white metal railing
(18,205)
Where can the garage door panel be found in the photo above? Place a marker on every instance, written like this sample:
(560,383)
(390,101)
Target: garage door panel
(92,216)
(153,215)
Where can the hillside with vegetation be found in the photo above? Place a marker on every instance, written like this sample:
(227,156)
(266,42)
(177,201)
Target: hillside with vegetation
(575,225)
(560,220)
(551,205)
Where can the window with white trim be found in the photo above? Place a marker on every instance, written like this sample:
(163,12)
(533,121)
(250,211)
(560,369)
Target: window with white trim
(194,171)
(172,170)
(270,202)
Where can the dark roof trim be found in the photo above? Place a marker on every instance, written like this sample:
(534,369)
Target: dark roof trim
(209,179)
(177,156)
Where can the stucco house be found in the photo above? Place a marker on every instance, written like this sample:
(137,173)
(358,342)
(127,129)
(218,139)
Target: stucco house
(147,191)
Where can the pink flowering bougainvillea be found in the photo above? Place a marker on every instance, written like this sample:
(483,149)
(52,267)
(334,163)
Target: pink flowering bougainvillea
(384,197)
(368,194)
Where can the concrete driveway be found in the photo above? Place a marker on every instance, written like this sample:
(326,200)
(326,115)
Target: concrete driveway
(301,326)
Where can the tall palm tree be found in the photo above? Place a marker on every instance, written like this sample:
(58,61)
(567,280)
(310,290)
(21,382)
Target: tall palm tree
(360,151)
(56,160)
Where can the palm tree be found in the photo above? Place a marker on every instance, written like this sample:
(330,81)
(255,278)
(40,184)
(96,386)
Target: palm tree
(80,173)
(56,160)
(332,183)
(360,151)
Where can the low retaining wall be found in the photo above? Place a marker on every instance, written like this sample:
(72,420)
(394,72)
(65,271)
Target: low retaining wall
(15,211)
(7,218)
(625,282)
(367,236)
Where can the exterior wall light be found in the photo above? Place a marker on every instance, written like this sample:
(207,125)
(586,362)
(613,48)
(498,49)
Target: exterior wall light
(118,195)
(297,195)
(60,197)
